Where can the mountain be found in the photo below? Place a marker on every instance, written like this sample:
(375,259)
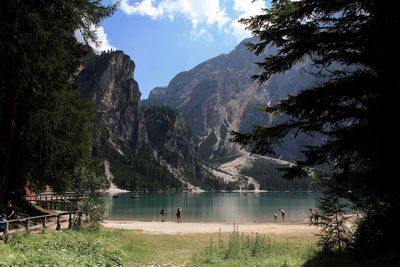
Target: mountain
(172,141)
(107,80)
(219,95)
(127,137)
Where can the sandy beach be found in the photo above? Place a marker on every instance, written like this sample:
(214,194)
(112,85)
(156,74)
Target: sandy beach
(187,228)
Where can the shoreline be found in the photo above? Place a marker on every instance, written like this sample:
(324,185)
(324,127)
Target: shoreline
(156,227)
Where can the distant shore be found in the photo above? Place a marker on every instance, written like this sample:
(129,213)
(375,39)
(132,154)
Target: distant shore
(190,227)
(114,190)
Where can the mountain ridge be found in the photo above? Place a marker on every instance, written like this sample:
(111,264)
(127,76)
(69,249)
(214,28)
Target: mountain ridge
(125,137)
(219,95)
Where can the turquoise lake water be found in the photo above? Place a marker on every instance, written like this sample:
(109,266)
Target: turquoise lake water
(214,207)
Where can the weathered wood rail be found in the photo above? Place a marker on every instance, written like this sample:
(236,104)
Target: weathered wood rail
(42,222)
(52,201)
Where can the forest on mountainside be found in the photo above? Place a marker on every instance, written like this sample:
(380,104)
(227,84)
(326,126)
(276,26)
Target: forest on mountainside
(269,176)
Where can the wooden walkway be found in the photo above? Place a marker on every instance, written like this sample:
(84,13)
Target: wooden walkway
(52,201)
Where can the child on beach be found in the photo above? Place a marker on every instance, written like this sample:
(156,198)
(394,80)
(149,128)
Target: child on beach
(283,214)
(163,215)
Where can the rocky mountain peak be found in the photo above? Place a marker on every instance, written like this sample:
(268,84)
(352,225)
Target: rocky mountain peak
(220,95)
(158,146)
(107,79)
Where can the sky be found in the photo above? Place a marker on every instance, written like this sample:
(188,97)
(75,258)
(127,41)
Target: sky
(165,37)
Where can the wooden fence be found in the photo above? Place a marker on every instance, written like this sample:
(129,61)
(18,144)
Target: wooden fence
(40,223)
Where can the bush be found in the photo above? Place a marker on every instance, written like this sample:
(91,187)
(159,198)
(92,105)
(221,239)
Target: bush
(93,207)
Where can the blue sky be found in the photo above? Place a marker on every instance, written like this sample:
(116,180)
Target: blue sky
(165,37)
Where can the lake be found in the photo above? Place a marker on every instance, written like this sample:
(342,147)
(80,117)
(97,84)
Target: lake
(214,207)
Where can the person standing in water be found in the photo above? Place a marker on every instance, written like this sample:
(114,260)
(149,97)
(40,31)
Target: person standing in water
(275,217)
(163,215)
(283,214)
(311,216)
(178,215)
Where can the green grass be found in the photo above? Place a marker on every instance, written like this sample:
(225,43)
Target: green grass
(133,248)
(75,248)
(257,250)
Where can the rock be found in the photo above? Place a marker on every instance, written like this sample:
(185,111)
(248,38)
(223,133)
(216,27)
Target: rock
(162,138)
(220,95)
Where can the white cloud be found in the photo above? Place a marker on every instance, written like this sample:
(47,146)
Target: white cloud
(238,30)
(245,9)
(144,8)
(103,42)
(200,13)
(201,33)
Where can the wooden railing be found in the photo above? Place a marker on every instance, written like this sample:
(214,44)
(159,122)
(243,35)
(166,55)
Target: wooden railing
(52,201)
(39,222)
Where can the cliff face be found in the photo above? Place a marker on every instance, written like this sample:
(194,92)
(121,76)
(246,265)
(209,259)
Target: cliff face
(219,95)
(143,150)
(108,80)
(172,140)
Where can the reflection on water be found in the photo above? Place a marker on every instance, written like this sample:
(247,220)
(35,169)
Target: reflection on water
(214,207)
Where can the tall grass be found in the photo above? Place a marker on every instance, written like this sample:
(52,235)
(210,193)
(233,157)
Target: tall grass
(255,250)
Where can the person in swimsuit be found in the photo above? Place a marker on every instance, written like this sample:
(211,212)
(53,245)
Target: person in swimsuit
(178,215)
(163,215)
(283,214)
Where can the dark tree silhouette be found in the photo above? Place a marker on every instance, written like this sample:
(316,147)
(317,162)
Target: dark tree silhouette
(353,45)
(45,126)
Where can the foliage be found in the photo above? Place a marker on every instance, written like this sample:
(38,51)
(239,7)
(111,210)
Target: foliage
(335,233)
(270,178)
(88,178)
(352,46)
(94,208)
(61,249)
(44,123)
(230,186)
(140,172)
(254,250)
(88,181)
(251,187)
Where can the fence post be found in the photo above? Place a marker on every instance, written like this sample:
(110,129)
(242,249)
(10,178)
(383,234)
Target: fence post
(79,218)
(28,222)
(70,221)
(6,234)
(44,224)
(58,223)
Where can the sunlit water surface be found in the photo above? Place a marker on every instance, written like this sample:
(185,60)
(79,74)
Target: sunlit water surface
(214,207)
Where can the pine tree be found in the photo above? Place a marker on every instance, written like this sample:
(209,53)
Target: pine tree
(335,233)
(43,122)
(353,45)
